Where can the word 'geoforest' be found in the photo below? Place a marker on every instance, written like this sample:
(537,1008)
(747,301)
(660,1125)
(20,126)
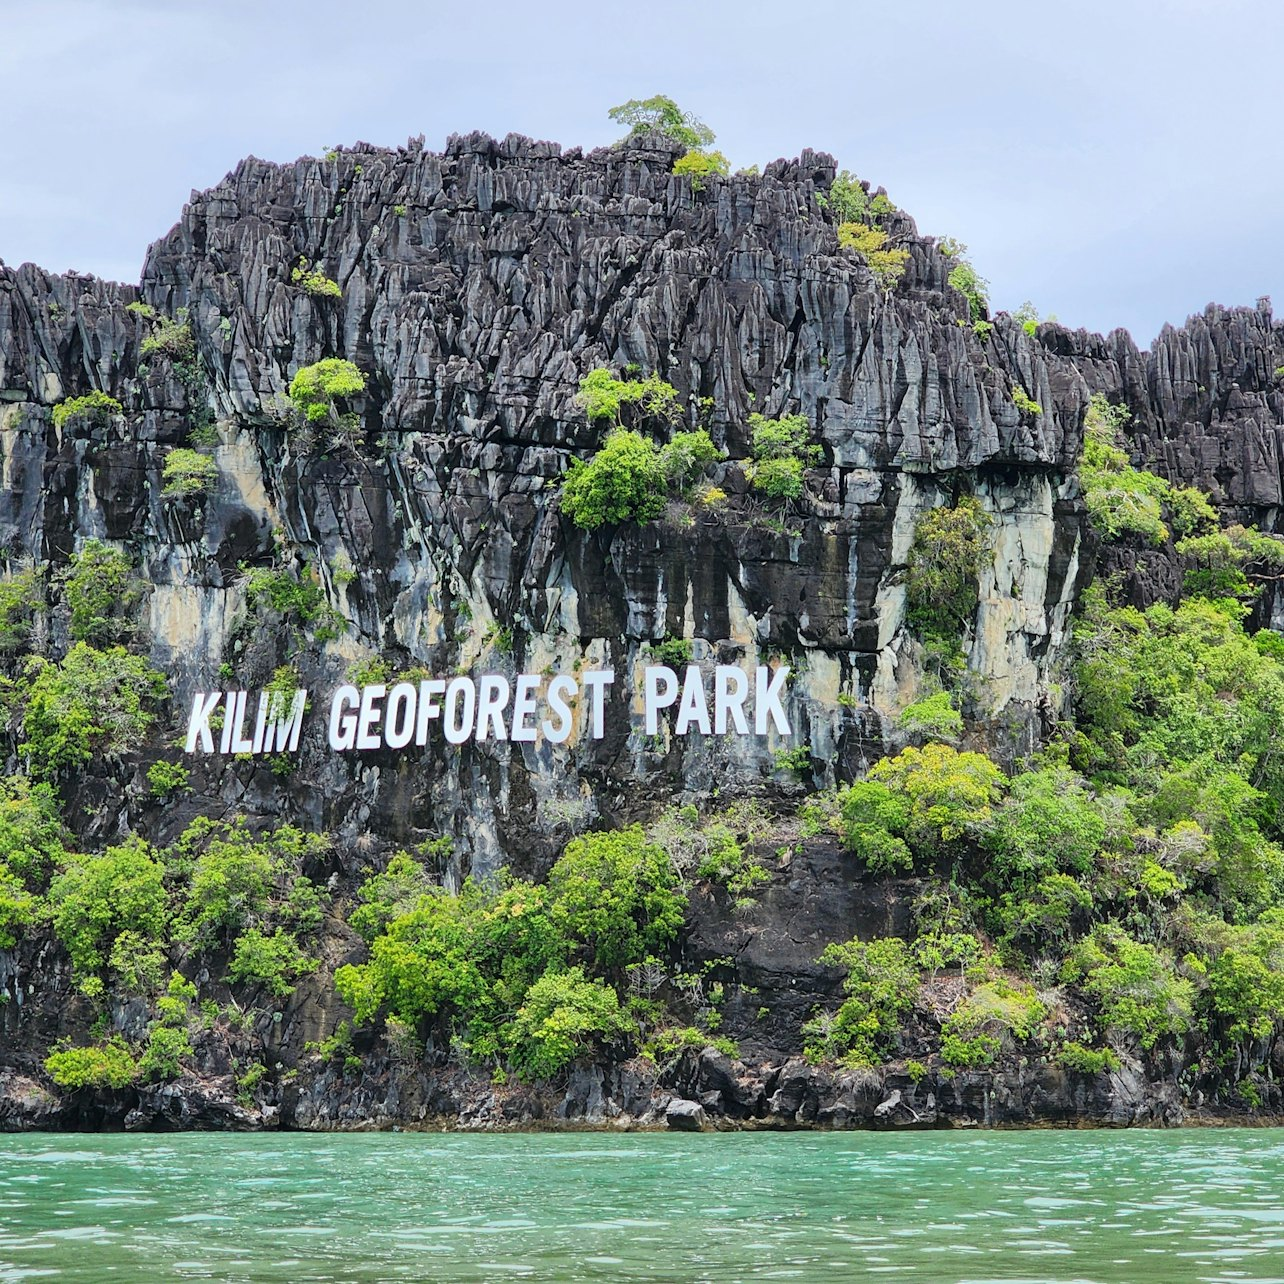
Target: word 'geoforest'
(491,707)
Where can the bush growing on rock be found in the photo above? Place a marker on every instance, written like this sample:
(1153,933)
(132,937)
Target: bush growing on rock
(100,588)
(316,389)
(93,702)
(187,473)
(107,1065)
(94,407)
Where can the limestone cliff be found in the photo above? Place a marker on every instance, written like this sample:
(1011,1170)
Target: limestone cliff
(477,287)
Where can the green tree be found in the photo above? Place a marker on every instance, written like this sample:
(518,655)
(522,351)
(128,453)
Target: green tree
(96,898)
(882,984)
(661,115)
(564,1015)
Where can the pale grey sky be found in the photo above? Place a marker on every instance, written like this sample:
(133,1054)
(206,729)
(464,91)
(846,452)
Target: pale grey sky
(1117,162)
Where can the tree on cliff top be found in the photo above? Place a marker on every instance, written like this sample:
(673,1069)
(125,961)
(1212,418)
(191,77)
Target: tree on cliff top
(661,115)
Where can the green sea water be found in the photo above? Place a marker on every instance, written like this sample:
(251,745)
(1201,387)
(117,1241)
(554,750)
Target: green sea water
(1068,1207)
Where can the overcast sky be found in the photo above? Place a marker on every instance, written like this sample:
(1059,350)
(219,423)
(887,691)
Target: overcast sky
(1117,163)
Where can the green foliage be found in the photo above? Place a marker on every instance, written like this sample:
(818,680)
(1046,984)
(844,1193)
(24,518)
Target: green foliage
(166,1046)
(796,761)
(1123,500)
(667,1044)
(100,590)
(96,898)
(623,482)
(22,600)
(562,1016)
(18,908)
(699,165)
(166,778)
(388,895)
(970,283)
(1134,986)
(882,985)
(1027,317)
(187,473)
(316,389)
(316,285)
(1050,822)
(94,408)
(888,266)
(471,961)
(686,455)
(874,821)
(1083,1060)
(993,1013)
(1025,403)
(240,880)
(781,450)
(107,1065)
(31,832)
(942,576)
(172,338)
(602,396)
(932,718)
(662,115)
(673,652)
(93,702)
(144,311)
(949,794)
(275,961)
(616,894)
(847,200)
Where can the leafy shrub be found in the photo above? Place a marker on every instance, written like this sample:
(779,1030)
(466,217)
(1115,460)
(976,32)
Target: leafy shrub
(661,115)
(315,389)
(562,1016)
(602,396)
(93,702)
(166,778)
(1025,403)
(847,199)
(94,407)
(1049,822)
(21,601)
(31,831)
(932,718)
(172,338)
(107,1065)
(96,898)
(161,1057)
(102,593)
(949,794)
(616,894)
(686,455)
(1083,1060)
(996,1011)
(973,286)
(187,472)
(18,908)
(389,895)
(781,450)
(275,961)
(315,284)
(1133,985)
(673,652)
(941,580)
(623,482)
(882,984)
(698,165)
(888,266)
(874,822)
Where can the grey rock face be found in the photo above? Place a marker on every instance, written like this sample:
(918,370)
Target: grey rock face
(477,288)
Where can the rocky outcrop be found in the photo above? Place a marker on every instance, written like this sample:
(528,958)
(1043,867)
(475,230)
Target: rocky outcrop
(476,288)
